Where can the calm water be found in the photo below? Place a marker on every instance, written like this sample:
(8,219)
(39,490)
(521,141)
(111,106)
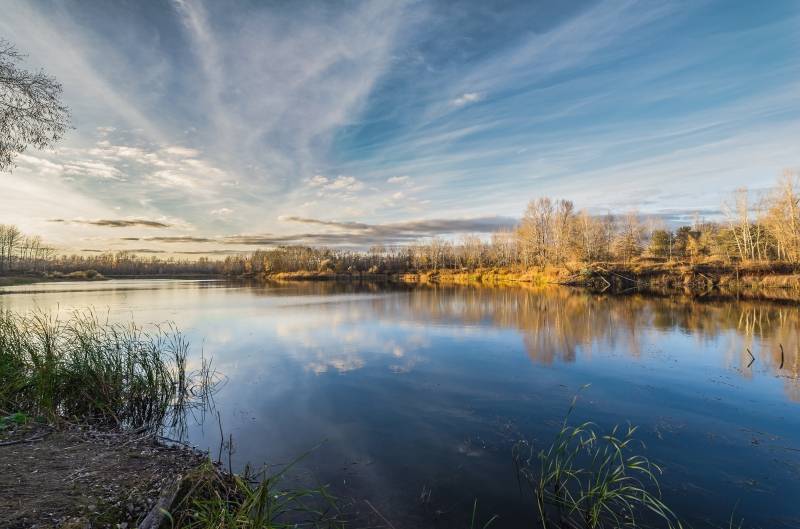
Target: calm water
(429,388)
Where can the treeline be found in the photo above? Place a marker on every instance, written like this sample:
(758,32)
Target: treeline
(131,264)
(550,233)
(22,254)
(553,233)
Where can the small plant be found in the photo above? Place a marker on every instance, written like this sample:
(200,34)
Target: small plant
(15,419)
(474,519)
(589,480)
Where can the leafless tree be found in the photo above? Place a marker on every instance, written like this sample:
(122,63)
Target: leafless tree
(31,112)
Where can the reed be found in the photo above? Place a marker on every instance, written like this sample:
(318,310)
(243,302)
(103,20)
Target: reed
(591,480)
(88,370)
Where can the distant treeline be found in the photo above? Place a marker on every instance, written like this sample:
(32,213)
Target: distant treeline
(550,233)
(553,233)
(22,254)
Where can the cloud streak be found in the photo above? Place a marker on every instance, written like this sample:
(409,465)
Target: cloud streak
(116,223)
(350,234)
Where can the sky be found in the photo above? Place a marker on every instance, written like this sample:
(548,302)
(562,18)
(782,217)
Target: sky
(215,127)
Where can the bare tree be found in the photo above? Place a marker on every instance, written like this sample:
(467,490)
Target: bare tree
(628,242)
(31,112)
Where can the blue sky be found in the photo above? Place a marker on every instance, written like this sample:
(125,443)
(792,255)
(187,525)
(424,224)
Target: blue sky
(225,126)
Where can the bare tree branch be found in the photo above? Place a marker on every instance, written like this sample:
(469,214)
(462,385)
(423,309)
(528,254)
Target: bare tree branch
(31,112)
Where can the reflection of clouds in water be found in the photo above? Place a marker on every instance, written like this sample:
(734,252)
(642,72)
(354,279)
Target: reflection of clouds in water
(347,349)
(342,364)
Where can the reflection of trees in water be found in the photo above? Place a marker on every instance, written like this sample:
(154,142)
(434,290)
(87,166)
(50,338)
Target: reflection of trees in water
(557,323)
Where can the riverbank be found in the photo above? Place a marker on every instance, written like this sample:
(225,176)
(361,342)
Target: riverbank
(49,277)
(487,275)
(84,405)
(693,279)
(771,280)
(75,476)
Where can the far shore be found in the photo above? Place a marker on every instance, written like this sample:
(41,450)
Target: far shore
(756,279)
(42,277)
(696,279)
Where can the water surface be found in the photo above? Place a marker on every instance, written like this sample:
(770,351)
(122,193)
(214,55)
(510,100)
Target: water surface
(428,388)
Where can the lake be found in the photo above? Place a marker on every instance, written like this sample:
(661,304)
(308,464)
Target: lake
(418,394)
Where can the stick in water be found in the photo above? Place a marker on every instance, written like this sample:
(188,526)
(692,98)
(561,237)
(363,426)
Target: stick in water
(387,522)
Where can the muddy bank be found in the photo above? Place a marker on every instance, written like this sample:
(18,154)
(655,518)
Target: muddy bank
(76,477)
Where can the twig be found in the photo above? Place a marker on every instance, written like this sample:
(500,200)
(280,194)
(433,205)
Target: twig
(781,346)
(618,275)
(29,440)
(382,517)
(171,440)
(752,358)
(221,437)
(705,276)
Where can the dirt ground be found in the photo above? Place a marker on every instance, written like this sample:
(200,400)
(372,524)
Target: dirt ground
(77,478)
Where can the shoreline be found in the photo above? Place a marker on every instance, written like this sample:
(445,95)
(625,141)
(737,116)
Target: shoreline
(777,281)
(755,280)
(31,279)
(87,476)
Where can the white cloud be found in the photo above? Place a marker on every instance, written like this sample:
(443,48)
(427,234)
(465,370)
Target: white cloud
(317,181)
(94,169)
(182,151)
(340,183)
(221,212)
(466,99)
(349,183)
(398,180)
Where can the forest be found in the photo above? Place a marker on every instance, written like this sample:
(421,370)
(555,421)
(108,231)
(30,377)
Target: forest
(554,233)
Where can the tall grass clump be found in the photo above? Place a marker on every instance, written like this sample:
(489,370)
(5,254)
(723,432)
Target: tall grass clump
(590,480)
(88,370)
(260,500)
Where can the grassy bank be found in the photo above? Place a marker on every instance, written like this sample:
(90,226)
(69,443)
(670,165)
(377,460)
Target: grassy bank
(44,277)
(87,370)
(778,280)
(537,276)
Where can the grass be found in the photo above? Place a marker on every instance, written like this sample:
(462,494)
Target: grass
(253,501)
(15,419)
(590,480)
(86,370)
